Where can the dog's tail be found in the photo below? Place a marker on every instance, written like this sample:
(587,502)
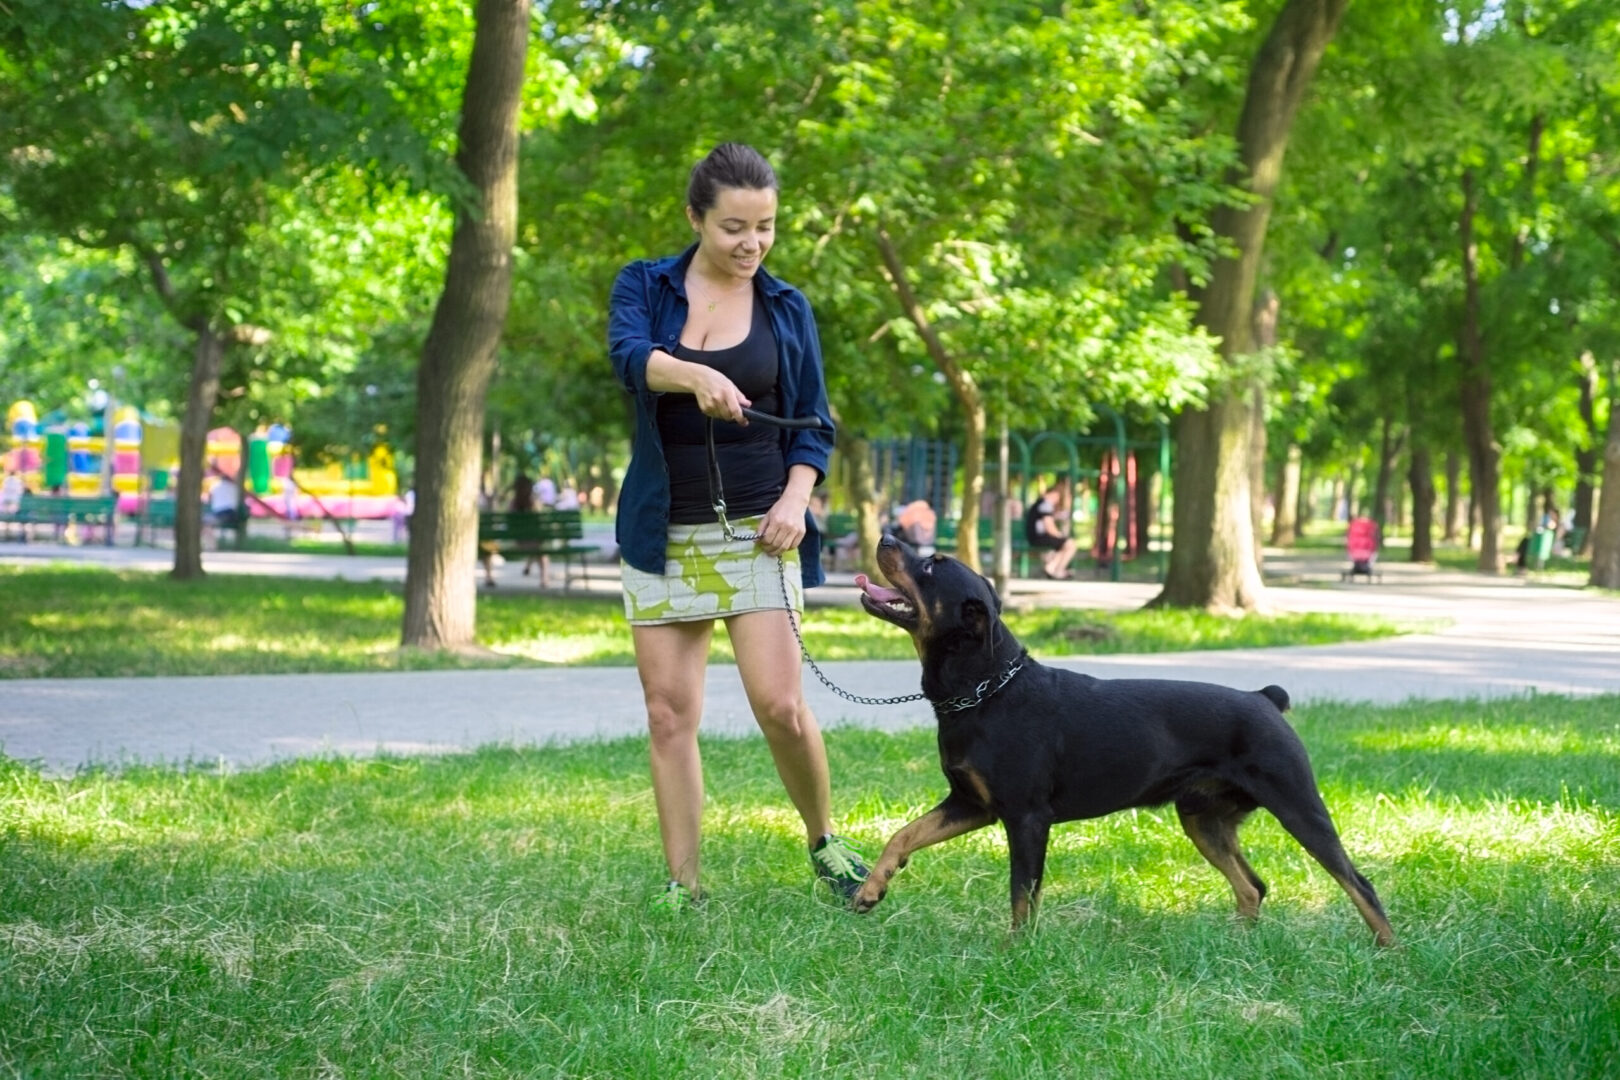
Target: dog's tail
(1278,696)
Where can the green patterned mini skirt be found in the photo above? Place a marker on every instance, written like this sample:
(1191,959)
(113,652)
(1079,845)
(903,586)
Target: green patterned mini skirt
(707,577)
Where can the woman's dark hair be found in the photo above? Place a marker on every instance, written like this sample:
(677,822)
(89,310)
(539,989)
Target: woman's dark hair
(729,165)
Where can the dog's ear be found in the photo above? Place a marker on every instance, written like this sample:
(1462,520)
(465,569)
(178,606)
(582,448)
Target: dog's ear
(988,584)
(976,617)
(982,623)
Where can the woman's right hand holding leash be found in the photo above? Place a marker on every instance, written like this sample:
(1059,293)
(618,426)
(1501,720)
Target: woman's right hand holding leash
(717,396)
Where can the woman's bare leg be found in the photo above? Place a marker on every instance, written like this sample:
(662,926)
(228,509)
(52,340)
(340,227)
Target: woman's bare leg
(671,660)
(768,661)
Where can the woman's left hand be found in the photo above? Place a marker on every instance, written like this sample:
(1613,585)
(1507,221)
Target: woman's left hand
(782,528)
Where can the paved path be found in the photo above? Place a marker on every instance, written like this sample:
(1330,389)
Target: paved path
(1507,636)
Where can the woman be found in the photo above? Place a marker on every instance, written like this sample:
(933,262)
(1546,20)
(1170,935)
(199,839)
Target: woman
(1043,531)
(696,338)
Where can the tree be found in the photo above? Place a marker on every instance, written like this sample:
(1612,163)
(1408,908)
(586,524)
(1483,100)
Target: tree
(1606,532)
(189,135)
(1213,563)
(458,358)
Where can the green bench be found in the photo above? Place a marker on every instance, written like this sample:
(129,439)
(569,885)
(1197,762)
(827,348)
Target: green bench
(551,533)
(839,525)
(159,514)
(59,511)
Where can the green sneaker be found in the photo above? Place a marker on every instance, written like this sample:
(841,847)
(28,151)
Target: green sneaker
(839,865)
(675,897)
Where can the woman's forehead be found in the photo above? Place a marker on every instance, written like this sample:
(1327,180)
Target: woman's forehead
(744,204)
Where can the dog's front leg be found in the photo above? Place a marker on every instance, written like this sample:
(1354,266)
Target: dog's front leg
(953,817)
(1026,841)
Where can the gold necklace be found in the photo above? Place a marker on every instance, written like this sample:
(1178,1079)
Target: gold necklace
(714,302)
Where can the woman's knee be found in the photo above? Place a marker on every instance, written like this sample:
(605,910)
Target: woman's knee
(781,715)
(670,721)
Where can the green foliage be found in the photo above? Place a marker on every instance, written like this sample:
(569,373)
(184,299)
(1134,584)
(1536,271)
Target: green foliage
(487,913)
(1367,258)
(1030,166)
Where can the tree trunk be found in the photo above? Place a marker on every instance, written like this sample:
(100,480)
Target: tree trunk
(962,384)
(1454,499)
(1420,477)
(863,496)
(1265,337)
(1606,532)
(1484,455)
(1002,556)
(1305,511)
(1147,470)
(1586,455)
(208,359)
(458,358)
(1388,446)
(1285,526)
(1213,562)
(1216,569)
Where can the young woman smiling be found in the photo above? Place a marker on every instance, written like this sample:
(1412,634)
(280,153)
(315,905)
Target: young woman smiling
(696,338)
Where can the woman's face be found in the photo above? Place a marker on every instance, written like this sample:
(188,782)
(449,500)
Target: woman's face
(738,230)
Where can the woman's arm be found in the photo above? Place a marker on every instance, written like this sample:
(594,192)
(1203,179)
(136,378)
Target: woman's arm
(812,447)
(644,367)
(717,396)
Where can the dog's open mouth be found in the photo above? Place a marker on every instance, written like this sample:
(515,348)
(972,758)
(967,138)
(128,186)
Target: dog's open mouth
(888,604)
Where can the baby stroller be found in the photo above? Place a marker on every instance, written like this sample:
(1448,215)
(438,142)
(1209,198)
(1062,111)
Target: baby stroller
(1361,544)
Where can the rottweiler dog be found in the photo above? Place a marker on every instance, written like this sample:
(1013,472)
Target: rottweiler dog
(1029,745)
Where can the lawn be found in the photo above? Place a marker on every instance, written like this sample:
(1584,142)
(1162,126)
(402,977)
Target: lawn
(62,621)
(486,915)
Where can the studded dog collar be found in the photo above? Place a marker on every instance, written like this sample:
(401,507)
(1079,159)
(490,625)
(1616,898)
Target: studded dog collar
(984,691)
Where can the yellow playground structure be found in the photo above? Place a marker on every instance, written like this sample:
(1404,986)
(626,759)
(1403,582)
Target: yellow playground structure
(67,458)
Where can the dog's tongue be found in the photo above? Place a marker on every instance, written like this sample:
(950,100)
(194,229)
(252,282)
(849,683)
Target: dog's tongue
(876,591)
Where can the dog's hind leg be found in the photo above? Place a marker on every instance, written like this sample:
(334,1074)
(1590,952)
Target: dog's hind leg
(1212,827)
(1306,818)
(1026,841)
(952,817)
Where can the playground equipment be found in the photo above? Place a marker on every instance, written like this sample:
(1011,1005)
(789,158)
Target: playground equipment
(68,458)
(1111,502)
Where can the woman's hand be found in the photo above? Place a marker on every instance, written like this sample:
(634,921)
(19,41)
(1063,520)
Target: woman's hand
(718,396)
(782,528)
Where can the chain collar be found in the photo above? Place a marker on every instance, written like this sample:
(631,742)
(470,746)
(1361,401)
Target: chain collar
(984,690)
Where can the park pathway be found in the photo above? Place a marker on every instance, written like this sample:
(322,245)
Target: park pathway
(1506,636)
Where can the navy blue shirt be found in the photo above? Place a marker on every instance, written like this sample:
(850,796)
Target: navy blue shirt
(648,310)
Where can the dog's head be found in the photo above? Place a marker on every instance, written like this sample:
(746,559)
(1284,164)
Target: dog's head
(949,610)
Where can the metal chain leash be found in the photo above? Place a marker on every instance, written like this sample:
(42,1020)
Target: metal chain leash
(717,494)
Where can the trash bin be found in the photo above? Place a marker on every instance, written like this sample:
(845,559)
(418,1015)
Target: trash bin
(1541,545)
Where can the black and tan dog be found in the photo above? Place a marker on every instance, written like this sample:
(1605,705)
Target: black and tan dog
(1029,745)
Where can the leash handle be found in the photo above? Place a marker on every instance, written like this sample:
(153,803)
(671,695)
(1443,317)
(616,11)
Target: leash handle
(805,423)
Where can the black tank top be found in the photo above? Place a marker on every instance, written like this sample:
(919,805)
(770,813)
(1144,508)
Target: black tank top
(751,463)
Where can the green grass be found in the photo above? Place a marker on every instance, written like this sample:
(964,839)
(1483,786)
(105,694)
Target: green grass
(486,915)
(67,621)
(322,543)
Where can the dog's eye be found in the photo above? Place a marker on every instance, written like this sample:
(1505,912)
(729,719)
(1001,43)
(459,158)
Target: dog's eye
(928,568)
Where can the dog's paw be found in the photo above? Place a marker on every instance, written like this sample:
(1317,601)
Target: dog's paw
(867,897)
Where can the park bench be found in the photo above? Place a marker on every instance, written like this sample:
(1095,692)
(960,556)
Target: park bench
(839,525)
(945,540)
(59,511)
(553,533)
(158,514)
